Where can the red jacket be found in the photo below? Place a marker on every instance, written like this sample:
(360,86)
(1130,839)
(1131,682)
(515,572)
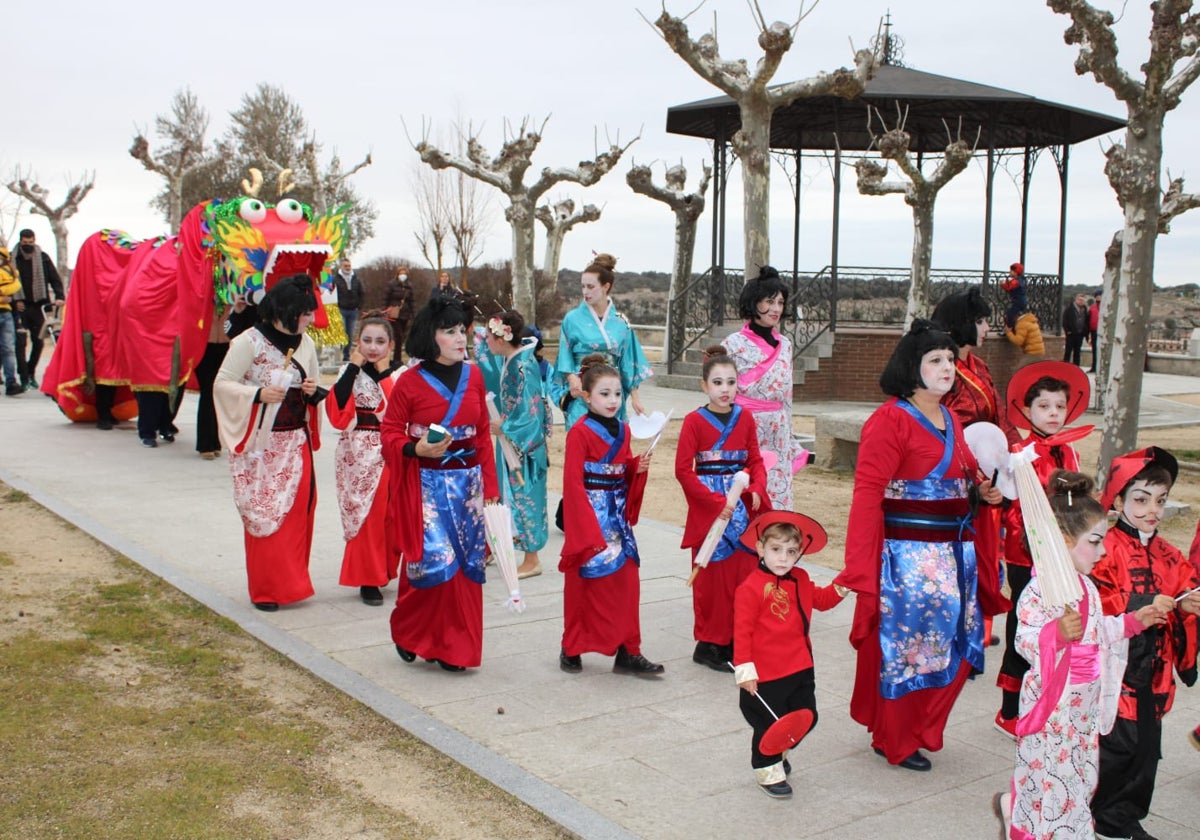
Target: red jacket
(1128,578)
(771,618)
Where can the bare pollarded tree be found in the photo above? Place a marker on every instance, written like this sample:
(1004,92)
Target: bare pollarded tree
(558,219)
(506,172)
(920,193)
(326,182)
(470,220)
(757,101)
(1134,170)
(26,186)
(433,200)
(184,152)
(687,207)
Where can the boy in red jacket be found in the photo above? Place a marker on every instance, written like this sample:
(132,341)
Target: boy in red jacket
(772,651)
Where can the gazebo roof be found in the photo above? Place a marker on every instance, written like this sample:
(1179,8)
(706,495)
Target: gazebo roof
(1006,119)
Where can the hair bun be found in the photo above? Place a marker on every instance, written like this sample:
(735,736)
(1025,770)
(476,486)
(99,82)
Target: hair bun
(592,360)
(767,271)
(1064,482)
(605,261)
(715,350)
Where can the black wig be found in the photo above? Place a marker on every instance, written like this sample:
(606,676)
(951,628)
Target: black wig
(763,287)
(901,376)
(958,312)
(287,300)
(441,313)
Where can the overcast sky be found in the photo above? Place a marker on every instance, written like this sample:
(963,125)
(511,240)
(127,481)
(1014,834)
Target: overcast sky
(88,77)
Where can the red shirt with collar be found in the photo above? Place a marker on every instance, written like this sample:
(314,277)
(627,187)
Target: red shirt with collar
(771,616)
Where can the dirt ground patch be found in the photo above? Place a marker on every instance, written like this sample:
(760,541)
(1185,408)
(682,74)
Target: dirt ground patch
(131,711)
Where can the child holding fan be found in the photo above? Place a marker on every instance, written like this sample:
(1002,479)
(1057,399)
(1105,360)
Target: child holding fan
(716,442)
(602,494)
(355,405)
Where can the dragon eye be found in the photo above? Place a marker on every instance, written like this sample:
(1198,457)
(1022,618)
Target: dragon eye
(253,211)
(289,210)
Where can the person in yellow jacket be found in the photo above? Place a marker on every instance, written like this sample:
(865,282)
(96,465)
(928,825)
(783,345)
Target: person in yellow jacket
(10,285)
(1026,333)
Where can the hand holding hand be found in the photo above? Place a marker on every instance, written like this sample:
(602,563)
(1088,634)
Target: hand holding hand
(1070,626)
(1150,615)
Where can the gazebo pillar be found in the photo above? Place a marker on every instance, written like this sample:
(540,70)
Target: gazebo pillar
(1062,162)
(833,247)
(796,219)
(1026,177)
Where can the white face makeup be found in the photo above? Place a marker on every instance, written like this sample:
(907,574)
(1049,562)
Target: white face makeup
(373,343)
(1142,505)
(605,396)
(595,294)
(1089,548)
(720,386)
(451,344)
(937,371)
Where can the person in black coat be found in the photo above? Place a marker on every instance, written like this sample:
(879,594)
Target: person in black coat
(349,300)
(41,286)
(1075,328)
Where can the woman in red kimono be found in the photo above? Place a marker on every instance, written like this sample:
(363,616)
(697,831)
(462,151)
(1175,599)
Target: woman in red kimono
(602,493)
(974,399)
(910,555)
(358,400)
(716,442)
(437,445)
(266,397)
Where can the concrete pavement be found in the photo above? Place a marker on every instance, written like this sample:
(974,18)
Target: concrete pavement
(607,756)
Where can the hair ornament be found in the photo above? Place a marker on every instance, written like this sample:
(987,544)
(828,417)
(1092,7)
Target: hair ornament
(500,329)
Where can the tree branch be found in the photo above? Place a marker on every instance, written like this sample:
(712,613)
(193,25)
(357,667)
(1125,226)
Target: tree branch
(588,172)
(703,56)
(1091,29)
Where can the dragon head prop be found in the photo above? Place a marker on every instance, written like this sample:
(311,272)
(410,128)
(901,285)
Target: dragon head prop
(256,244)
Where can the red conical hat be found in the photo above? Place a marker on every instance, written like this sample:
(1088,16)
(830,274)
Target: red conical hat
(1125,467)
(1078,387)
(812,535)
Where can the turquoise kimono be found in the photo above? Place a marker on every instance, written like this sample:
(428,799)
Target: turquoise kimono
(582,334)
(525,422)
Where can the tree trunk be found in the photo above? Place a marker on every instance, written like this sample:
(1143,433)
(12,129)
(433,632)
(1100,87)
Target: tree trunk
(922,259)
(1107,325)
(59,228)
(521,218)
(174,202)
(752,143)
(1134,294)
(554,243)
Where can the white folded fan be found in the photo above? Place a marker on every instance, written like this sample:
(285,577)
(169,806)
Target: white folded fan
(643,426)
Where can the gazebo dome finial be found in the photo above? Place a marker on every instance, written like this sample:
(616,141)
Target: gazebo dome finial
(889,47)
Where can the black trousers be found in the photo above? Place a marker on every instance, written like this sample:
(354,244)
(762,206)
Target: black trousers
(156,413)
(1072,347)
(786,694)
(106,395)
(34,319)
(1129,757)
(1013,666)
(207,439)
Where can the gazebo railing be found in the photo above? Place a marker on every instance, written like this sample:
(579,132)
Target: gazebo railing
(857,296)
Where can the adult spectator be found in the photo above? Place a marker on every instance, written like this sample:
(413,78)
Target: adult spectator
(41,286)
(1094,326)
(349,300)
(398,308)
(1075,328)
(9,286)
(445,287)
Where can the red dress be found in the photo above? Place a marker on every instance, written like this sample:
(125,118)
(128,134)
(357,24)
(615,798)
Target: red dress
(601,589)
(894,448)
(443,621)
(712,592)
(363,482)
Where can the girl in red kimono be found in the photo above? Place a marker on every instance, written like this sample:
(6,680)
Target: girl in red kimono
(1139,566)
(438,448)
(973,399)
(266,397)
(602,494)
(910,555)
(358,400)
(717,442)
(1044,397)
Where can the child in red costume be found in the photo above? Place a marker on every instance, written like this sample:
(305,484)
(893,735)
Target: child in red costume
(772,649)
(1141,565)
(715,443)
(602,493)
(356,404)
(1194,556)
(1043,397)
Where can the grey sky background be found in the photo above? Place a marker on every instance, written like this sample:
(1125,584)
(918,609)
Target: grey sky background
(87,78)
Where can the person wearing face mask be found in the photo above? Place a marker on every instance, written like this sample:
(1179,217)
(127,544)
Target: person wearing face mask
(1141,566)
(398,308)
(349,300)
(763,356)
(41,285)
(910,555)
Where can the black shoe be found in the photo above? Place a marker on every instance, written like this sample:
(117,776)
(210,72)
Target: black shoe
(104,424)
(916,761)
(787,767)
(266,606)
(31,384)
(779,790)
(1139,833)
(711,656)
(446,666)
(167,437)
(371,596)
(13,390)
(636,664)
(570,664)
(150,442)
(406,655)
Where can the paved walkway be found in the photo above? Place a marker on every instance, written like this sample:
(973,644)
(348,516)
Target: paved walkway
(607,756)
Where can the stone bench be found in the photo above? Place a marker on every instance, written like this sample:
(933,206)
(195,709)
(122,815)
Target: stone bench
(837,438)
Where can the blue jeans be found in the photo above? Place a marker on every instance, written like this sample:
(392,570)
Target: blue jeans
(8,345)
(350,319)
